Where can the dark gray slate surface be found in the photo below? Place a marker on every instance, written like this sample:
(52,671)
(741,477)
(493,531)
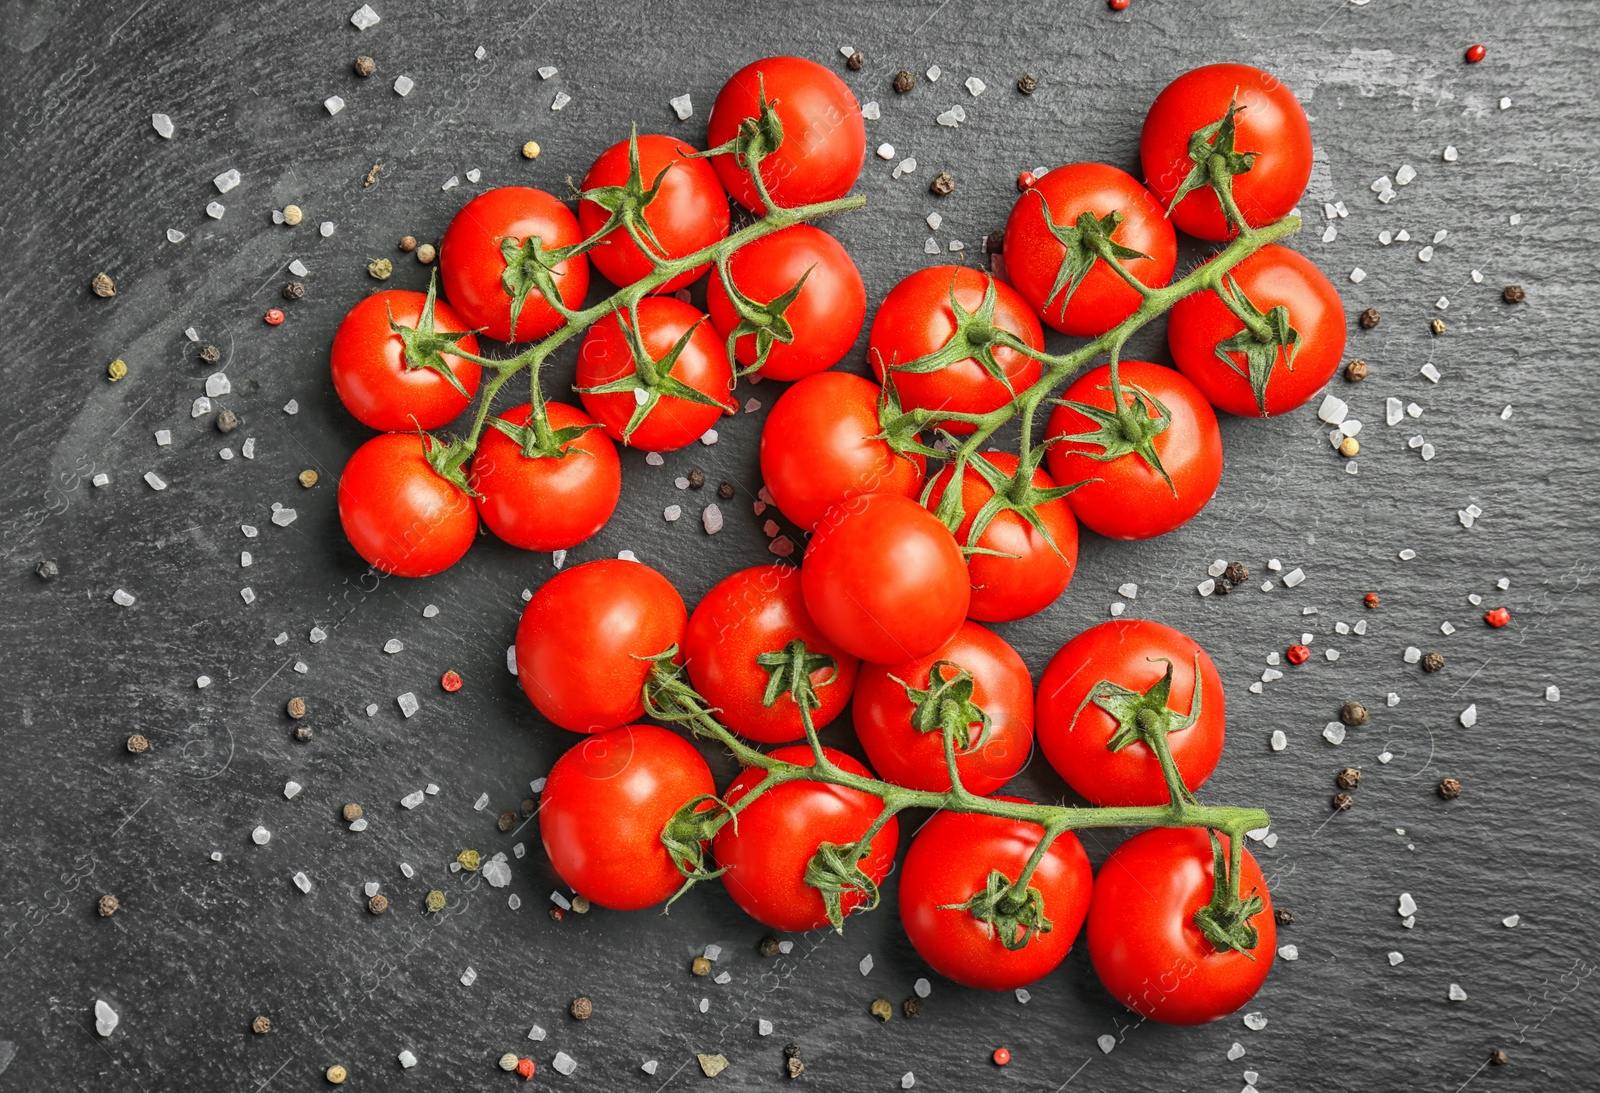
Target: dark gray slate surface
(200,947)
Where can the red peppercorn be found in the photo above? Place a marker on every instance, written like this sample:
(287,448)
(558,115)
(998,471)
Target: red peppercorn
(1498,617)
(274,317)
(1117,5)
(451,681)
(525,1069)
(1371,599)
(1001,1055)
(1025,181)
(1476,53)
(1297,654)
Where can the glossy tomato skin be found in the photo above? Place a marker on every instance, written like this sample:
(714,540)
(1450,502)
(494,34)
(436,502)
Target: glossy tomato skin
(398,513)
(825,317)
(688,213)
(1132,653)
(1272,276)
(755,611)
(819,446)
(370,373)
(950,859)
(604,805)
(1028,574)
(916,319)
(1001,687)
(1101,299)
(1131,500)
(703,365)
(766,854)
(1270,123)
(548,503)
(471,265)
(884,579)
(581,635)
(1144,944)
(824,136)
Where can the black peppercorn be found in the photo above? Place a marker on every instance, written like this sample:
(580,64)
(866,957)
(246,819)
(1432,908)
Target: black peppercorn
(769,946)
(108,906)
(1348,778)
(529,807)
(1513,294)
(791,1051)
(1224,586)
(210,354)
(227,421)
(1027,85)
(303,733)
(1353,713)
(47,570)
(507,821)
(995,241)
(943,184)
(1356,370)
(1433,662)
(365,66)
(1499,1056)
(294,290)
(911,1007)
(582,1008)
(904,81)
(1342,802)
(697,478)
(726,491)
(855,61)
(1369,318)
(1449,788)
(1236,573)
(1283,917)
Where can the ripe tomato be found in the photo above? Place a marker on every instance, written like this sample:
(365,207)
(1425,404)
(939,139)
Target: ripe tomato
(917,319)
(890,730)
(1068,286)
(603,808)
(884,579)
(686,388)
(747,615)
(821,322)
(820,446)
(824,137)
(399,513)
(1132,500)
(380,386)
(950,861)
(550,502)
(1269,124)
(475,268)
(1031,569)
(1143,941)
(767,852)
(688,213)
(581,637)
(1133,657)
(1210,347)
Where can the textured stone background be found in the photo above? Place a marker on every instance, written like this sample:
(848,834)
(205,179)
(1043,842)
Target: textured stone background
(200,947)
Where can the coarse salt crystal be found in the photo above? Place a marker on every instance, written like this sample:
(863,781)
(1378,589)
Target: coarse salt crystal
(1380,185)
(1255,1021)
(302,882)
(975,86)
(1334,733)
(226,181)
(560,101)
(1469,716)
(1429,372)
(709,437)
(175,236)
(469,977)
(105,1018)
(871,111)
(1405,174)
(163,437)
(215,209)
(1023,995)
(931,246)
(933,73)
(711,519)
(1294,577)
(1425,254)
(412,799)
(671,513)
(1447,628)
(284,517)
(1106,1042)
(403,85)
(682,105)
(155,481)
(1395,957)
(364,17)
(408,704)
(1289,952)
(261,836)
(1358,275)
(1207,586)
(885,151)
(325,229)
(1279,740)
(1333,409)
(1456,993)
(162,125)
(1552,693)
(393,645)
(1330,234)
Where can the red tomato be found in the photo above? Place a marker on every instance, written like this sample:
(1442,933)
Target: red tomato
(916,319)
(473,264)
(766,853)
(884,579)
(1029,572)
(754,612)
(820,446)
(1132,500)
(375,381)
(1089,298)
(1133,656)
(1143,940)
(950,861)
(686,395)
(1001,688)
(824,138)
(1273,277)
(821,322)
(399,513)
(581,637)
(604,806)
(688,213)
(548,503)
(1269,123)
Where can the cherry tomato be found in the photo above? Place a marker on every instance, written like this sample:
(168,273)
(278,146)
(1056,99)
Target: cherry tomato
(916,319)
(473,264)
(1031,570)
(581,637)
(884,579)
(552,502)
(819,446)
(1272,277)
(399,513)
(1131,656)
(1269,124)
(766,853)
(1143,941)
(950,861)
(373,378)
(822,321)
(824,137)
(1131,499)
(604,805)
(688,213)
(754,612)
(672,418)
(1092,298)
(992,754)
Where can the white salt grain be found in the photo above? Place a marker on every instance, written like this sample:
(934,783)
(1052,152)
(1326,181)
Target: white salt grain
(105,1018)
(469,977)
(671,513)
(1294,577)
(1107,1042)
(215,209)
(1552,693)
(325,229)
(302,882)
(408,704)
(1405,175)
(871,111)
(711,518)
(682,106)
(922,988)
(1255,1021)
(934,73)
(537,1035)
(1469,716)
(226,181)
(1395,957)
(1334,733)
(175,236)
(1333,409)
(866,964)
(1456,993)
(393,645)
(403,85)
(162,125)
(975,86)
(885,151)
(364,17)
(1358,275)
(1206,587)
(560,101)
(248,595)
